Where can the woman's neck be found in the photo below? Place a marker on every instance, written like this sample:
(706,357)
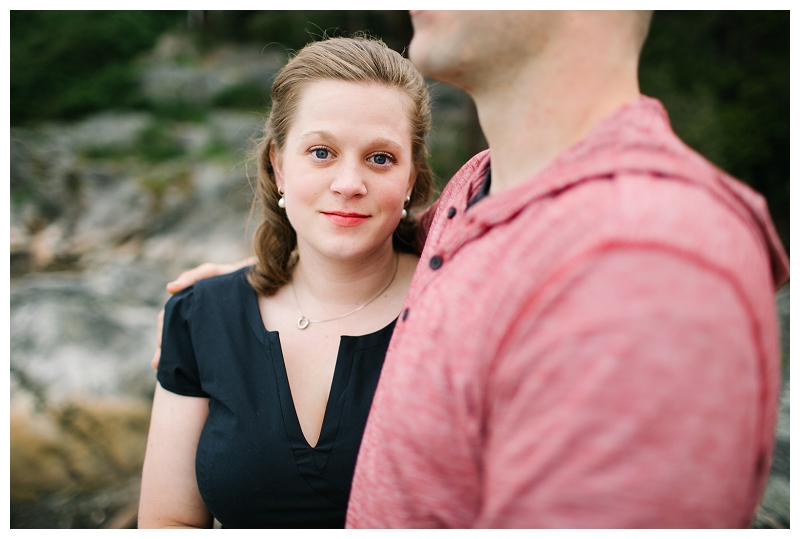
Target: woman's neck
(326,286)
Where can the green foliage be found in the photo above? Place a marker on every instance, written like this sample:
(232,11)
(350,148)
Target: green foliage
(105,152)
(182,111)
(159,181)
(216,149)
(724,78)
(163,178)
(293,29)
(155,144)
(65,64)
(245,96)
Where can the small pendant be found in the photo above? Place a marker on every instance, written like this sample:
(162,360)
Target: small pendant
(302,322)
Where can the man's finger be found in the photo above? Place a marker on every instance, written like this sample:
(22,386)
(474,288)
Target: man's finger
(159,329)
(156,358)
(204,271)
(188,278)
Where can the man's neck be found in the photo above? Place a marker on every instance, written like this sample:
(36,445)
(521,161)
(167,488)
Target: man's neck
(530,118)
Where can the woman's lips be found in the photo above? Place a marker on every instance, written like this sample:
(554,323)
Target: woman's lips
(345,218)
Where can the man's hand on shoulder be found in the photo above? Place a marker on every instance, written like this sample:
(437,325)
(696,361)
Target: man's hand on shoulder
(204,271)
(188,278)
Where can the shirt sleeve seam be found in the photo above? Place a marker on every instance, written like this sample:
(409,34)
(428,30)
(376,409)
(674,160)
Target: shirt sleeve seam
(571,268)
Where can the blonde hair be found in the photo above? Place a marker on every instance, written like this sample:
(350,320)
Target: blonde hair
(359,60)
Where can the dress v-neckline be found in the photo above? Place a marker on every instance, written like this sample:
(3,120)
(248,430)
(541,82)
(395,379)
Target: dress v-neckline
(291,418)
(336,393)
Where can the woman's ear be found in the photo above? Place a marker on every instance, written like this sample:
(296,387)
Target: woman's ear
(275,161)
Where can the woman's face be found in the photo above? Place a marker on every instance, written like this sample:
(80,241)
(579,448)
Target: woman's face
(346,168)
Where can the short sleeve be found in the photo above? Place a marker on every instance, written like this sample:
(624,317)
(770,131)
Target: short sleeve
(177,369)
(632,400)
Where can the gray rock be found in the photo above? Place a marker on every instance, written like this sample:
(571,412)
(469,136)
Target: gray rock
(67,340)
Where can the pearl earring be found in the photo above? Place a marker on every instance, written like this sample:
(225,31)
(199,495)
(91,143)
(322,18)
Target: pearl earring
(281,201)
(404,213)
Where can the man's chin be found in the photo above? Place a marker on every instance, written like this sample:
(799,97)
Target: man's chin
(440,71)
(422,54)
(416,54)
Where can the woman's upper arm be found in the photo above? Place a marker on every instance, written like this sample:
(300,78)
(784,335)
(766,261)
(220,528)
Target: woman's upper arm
(170,497)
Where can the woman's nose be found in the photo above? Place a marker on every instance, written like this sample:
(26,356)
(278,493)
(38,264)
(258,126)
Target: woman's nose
(349,181)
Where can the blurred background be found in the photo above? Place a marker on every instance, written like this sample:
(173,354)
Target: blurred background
(130,134)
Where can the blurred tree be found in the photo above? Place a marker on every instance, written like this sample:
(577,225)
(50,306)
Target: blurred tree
(65,64)
(722,75)
(293,29)
(724,78)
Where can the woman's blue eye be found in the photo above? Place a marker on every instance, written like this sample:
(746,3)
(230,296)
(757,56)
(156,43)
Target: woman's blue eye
(379,159)
(321,153)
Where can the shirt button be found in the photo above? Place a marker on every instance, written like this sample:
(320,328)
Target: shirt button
(405,315)
(451,213)
(436,262)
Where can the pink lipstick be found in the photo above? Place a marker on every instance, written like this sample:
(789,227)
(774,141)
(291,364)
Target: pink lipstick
(346,218)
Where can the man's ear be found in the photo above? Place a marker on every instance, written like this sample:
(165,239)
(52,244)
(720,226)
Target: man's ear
(275,161)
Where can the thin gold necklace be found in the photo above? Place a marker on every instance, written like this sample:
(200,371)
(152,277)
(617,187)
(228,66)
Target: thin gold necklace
(303,322)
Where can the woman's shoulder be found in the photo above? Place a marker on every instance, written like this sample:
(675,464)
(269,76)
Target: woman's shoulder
(216,291)
(220,284)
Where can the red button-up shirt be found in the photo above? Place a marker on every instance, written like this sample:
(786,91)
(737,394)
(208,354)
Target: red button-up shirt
(595,347)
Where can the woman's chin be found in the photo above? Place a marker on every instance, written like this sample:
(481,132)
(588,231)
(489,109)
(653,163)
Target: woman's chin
(350,251)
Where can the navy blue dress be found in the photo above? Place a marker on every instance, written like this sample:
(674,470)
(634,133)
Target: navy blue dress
(254,467)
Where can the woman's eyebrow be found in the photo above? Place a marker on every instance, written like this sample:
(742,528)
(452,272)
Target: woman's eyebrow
(386,142)
(380,141)
(324,134)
